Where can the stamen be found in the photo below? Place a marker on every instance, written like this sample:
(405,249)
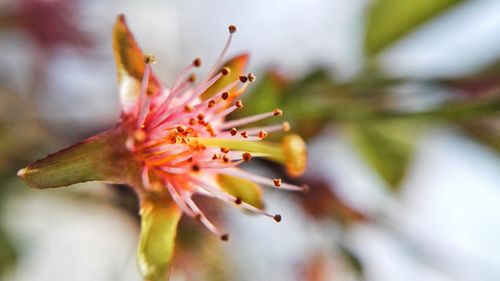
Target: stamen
(250,119)
(218,61)
(277,182)
(233,131)
(226,197)
(179,200)
(225,71)
(203,218)
(243,79)
(144,100)
(232,28)
(197,62)
(262,134)
(247,156)
(251,77)
(182,75)
(285,127)
(145,178)
(262,180)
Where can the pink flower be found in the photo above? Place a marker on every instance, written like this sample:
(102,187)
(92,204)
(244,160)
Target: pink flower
(173,142)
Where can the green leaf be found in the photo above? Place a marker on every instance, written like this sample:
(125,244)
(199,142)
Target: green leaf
(246,190)
(159,220)
(103,157)
(389,20)
(386,146)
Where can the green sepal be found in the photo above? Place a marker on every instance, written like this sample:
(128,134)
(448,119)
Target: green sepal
(159,219)
(103,157)
(246,190)
(237,65)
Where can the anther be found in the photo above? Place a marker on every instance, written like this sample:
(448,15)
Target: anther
(225,159)
(251,77)
(197,62)
(192,121)
(190,159)
(149,59)
(243,79)
(232,28)
(211,104)
(237,201)
(181,128)
(224,237)
(188,108)
(244,134)
(277,182)
(225,70)
(192,78)
(277,218)
(139,136)
(262,135)
(239,103)
(286,126)
(195,168)
(225,95)
(233,131)
(197,217)
(305,188)
(200,116)
(216,156)
(224,149)
(247,156)
(277,112)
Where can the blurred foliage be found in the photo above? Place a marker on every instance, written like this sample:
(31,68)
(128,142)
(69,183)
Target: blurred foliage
(389,20)
(386,145)
(366,109)
(8,253)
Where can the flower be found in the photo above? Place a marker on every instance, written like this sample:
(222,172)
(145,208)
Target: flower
(171,143)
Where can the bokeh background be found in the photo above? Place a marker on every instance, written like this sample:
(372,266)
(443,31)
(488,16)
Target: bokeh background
(398,100)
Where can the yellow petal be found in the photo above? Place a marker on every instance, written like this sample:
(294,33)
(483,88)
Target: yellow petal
(159,219)
(246,190)
(237,65)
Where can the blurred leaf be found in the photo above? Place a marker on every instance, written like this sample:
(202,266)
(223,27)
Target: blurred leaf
(159,219)
(389,20)
(246,190)
(323,202)
(353,260)
(387,146)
